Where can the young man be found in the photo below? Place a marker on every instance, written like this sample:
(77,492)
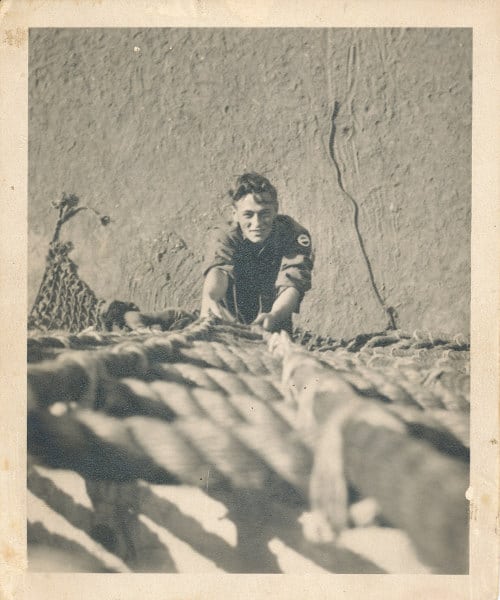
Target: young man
(259,270)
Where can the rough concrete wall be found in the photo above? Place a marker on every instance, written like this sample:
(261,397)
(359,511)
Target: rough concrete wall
(151,126)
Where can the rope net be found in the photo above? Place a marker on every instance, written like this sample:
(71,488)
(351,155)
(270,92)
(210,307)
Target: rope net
(63,301)
(309,440)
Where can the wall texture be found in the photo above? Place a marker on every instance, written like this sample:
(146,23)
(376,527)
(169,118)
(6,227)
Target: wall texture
(151,127)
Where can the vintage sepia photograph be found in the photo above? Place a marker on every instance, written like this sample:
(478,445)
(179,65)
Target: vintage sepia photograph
(249,298)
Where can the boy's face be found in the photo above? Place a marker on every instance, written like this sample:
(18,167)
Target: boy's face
(255,218)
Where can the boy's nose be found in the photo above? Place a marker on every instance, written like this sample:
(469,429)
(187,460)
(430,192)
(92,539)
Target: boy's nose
(255,221)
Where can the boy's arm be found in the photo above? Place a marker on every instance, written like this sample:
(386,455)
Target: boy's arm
(214,292)
(293,280)
(218,267)
(297,262)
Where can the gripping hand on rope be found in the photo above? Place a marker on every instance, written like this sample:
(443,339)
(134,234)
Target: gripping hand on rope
(284,305)
(217,309)
(267,321)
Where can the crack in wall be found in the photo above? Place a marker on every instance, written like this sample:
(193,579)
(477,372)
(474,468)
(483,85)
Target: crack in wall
(389,310)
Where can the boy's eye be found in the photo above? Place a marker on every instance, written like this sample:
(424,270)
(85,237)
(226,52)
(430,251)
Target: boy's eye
(263,215)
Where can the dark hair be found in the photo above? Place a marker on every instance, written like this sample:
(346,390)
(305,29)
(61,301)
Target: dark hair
(253,183)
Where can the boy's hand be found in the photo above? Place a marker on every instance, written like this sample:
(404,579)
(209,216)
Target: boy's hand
(267,321)
(217,309)
(283,307)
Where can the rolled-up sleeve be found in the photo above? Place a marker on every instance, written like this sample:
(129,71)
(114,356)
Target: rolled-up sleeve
(297,264)
(220,252)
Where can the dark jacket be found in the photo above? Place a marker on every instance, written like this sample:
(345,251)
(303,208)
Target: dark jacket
(257,274)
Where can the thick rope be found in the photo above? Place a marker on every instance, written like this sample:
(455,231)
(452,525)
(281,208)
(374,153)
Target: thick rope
(393,460)
(165,406)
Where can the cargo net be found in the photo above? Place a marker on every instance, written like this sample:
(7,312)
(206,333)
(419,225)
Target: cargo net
(63,301)
(221,447)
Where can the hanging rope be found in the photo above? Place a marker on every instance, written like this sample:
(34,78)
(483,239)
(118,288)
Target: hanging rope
(388,310)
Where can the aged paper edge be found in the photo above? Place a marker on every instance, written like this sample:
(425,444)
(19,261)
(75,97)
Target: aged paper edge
(16,17)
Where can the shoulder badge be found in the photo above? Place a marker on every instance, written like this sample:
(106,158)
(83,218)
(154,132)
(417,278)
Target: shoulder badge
(304,240)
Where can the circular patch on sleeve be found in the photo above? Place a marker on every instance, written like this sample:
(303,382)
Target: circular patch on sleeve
(304,240)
